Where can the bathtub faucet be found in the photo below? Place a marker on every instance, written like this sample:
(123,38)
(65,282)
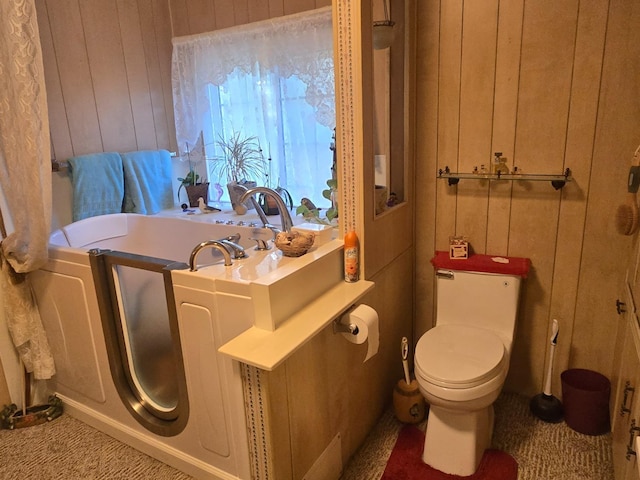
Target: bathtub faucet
(285,217)
(217,244)
(258,208)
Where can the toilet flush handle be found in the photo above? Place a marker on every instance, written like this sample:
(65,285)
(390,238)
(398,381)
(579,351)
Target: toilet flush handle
(445,274)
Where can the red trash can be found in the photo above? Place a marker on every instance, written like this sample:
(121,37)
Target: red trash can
(585,396)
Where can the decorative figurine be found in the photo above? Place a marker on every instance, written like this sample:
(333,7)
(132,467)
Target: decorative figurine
(204,208)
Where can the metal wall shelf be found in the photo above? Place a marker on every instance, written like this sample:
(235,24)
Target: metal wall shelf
(557,181)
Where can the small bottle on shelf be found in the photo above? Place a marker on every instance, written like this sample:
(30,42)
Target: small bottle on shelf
(351,257)
(500,164)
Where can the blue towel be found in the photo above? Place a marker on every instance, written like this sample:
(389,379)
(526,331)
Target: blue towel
(98,184)
(147,181)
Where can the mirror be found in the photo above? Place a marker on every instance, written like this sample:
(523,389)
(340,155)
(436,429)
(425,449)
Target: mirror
(389,102)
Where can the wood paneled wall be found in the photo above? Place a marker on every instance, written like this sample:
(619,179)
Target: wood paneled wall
(107,69)
(108,65)
(189,17)
(551,85)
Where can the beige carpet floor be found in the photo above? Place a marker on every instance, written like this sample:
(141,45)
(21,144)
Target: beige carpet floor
(68,449)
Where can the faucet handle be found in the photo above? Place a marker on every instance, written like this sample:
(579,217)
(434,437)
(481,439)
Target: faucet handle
(235,238)
(261,244)
(236,250)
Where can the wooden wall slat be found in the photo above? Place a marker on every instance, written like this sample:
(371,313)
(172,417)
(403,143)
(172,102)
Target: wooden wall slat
(201,16)
(75,78)
(137,77)
(450,46)
(545,80)
(427,92)
(276,8)
(179,23)
(152,16)
(258,10)
(161,33)
(108,74)
(479,32)
(58,123)
(478,67)
(297,6)
(505,104)
(240,12)
(225,16)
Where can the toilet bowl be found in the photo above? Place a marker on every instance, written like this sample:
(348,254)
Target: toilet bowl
(460,372)
(461,363)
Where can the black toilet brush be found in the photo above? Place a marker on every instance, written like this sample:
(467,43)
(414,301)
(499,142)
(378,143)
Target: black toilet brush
(544,405)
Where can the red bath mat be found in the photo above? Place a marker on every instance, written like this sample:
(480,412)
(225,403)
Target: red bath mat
(405,462)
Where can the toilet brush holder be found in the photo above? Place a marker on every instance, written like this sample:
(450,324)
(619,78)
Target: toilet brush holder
(408,403)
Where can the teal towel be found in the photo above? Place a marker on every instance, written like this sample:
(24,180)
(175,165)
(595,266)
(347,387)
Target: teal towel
(147,181)
(98,184)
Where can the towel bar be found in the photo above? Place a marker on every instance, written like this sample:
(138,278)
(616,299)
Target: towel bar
(57,166)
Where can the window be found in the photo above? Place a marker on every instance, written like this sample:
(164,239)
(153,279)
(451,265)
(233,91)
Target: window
(271,80)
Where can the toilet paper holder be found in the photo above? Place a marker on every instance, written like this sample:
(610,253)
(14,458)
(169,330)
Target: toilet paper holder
(346,327)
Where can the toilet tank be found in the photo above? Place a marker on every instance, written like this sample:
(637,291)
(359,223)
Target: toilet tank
(480,292)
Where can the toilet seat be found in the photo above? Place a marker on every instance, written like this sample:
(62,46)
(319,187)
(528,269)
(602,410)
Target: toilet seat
(459,356)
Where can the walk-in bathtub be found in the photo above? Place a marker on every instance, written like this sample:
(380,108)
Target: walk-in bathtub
(153,378)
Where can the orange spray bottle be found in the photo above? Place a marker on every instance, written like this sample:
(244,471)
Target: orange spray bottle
(351,257)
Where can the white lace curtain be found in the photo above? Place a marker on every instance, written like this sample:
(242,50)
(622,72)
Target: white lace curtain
(25,179)
(300,44)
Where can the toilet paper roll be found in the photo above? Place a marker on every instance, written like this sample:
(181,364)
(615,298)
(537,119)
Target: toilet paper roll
(366,319)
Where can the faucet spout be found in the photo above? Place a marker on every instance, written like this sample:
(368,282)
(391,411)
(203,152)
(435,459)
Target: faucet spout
(218,245)
(256,205)
(285,217)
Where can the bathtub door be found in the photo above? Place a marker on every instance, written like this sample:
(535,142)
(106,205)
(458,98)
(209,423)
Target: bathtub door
(140,325)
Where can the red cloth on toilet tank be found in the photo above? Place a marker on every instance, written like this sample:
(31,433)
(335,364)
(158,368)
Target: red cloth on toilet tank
(482,263)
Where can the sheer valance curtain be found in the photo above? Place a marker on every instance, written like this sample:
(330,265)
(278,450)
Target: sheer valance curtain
(25,179)
(287,60)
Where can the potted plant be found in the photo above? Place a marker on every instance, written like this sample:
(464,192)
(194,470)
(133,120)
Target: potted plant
(193,188)
(190,181)
(242,163)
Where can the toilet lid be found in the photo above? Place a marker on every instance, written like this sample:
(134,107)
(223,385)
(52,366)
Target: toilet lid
(459,356)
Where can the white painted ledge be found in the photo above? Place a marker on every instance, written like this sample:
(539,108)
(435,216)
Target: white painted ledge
(267,349)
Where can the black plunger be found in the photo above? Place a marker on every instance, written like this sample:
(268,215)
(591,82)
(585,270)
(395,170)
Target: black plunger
(544,405)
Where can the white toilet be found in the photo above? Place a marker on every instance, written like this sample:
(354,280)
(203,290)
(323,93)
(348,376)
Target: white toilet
(462,362)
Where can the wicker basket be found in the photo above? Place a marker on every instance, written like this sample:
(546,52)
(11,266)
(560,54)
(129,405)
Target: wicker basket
(294,244)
